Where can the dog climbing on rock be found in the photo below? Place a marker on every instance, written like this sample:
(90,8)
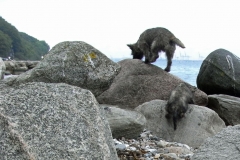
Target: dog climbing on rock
(152,41)
(177,104)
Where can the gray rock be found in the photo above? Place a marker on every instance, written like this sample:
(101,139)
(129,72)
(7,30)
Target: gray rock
(18,67)
(198,124)
(227,107)
(31,64)
(10,66)
(75,63)
(2,68)
(138,82)
(53,121)
(4,88)
(124,123)
(220,74)
(222,146)
(23,66)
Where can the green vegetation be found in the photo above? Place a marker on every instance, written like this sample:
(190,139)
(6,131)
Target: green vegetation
(19,45)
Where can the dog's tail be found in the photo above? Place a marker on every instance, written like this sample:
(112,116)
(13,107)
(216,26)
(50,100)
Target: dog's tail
(177,42)
(175,117)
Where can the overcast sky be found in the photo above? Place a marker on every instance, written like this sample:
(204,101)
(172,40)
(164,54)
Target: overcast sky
(108,25)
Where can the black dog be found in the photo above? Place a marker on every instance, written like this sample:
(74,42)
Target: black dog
(153,41)
(177,104)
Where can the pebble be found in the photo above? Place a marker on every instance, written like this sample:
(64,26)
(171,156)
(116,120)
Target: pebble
(150,147)
(120,147)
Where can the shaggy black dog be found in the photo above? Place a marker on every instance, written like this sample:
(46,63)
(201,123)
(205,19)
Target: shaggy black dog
(152,41)
(177,104)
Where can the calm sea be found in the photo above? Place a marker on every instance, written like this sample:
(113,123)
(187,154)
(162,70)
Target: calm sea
(187,70)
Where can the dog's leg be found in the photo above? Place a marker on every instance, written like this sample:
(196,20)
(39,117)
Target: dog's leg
(137,56)
(143,46)
(169,49)
(169,61)
(155,48)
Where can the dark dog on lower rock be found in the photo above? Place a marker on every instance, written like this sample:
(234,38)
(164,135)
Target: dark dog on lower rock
(152,41)
(177,104)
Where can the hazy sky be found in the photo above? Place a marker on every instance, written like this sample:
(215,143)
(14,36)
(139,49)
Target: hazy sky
(108,25)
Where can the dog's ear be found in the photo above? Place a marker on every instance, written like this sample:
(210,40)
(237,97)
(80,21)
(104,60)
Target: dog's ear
(130,46)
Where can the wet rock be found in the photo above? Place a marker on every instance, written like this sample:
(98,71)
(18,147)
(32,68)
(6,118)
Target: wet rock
(220,74)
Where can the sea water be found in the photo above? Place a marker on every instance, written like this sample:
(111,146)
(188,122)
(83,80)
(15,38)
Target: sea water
(187,70)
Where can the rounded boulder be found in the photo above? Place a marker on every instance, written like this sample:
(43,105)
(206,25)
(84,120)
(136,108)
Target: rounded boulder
(220,74)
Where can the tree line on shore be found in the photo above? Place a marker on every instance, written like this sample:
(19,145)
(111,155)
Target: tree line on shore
(19,45)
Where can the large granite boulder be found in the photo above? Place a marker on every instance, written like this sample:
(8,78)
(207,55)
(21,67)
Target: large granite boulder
(124,123)
(198,124)
(138,82)
(53,121)
(76,63)
(220,73)
(223,146)
(227,107)
(2,68)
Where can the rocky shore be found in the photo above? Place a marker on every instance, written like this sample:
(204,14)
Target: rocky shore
(78,104)
(150,147)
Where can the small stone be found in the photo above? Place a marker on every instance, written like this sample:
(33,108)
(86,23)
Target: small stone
(116,142)
(178,150)
(186,146)
(132,149)
(186,156)
(157,156)
(170,156)
(120,147)
(162,144)
(152,150)
(154,138)
(143,135)
(147,155)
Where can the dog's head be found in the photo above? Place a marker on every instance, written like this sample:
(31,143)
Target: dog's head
(136,52)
